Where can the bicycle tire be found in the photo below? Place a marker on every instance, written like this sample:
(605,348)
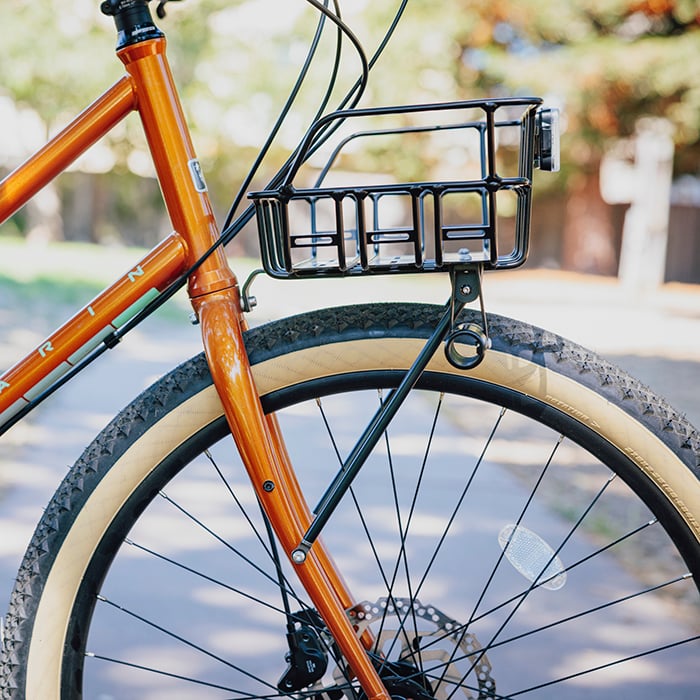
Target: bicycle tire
(558,386)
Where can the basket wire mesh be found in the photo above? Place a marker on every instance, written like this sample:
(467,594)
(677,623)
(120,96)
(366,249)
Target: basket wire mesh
(324,230)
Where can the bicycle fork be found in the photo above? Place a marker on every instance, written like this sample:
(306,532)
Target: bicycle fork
(265,458)
(263,452)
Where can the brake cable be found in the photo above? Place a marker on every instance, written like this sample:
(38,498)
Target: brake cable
(160,10)
(231,228)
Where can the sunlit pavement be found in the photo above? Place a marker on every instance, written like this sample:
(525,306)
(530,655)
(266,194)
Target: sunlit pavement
(654,335)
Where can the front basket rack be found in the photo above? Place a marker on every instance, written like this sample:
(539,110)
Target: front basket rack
(478,212)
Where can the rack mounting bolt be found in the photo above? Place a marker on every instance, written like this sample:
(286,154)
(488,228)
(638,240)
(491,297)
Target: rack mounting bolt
(298,556)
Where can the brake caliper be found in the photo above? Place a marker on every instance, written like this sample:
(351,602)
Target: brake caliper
(307,660)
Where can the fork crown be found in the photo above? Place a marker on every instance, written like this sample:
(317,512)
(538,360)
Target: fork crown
(133,20)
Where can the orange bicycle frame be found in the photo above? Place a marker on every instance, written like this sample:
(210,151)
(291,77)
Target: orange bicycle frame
(149,90)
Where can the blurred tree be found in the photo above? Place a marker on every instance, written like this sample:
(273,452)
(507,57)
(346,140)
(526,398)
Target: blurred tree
(234,62)
(45,49)
(607,63)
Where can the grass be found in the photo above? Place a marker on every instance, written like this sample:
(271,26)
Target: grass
(50,280)
(23,260)
(56,291)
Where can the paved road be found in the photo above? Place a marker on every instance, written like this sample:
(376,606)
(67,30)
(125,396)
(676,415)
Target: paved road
(656,337)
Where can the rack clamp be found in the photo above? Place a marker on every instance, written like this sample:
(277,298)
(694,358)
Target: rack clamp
(467,343)
(248,301)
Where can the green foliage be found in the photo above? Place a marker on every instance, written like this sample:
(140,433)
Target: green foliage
(607,62)
(53,57)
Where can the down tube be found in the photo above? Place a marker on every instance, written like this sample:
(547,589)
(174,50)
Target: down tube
(90,326)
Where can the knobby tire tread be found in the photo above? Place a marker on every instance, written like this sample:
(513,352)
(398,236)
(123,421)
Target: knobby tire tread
(280,337)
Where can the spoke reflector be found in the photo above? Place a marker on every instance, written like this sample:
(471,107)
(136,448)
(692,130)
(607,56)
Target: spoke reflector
(532,557)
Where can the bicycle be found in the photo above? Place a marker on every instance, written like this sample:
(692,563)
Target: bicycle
(441,572)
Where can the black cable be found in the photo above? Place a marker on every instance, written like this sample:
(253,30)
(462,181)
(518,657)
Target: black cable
(358,88)
(236,226)
(283,114)
(349,102)
(231,229)
(352,98)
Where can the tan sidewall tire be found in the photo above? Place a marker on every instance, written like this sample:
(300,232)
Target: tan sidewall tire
(563,393)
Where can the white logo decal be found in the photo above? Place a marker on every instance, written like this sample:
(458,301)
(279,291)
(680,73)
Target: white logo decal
(46,347)
(135,273)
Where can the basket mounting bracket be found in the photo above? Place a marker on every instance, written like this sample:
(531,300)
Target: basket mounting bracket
(466,286)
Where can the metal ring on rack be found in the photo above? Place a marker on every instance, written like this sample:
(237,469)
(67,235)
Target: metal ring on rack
(471,335)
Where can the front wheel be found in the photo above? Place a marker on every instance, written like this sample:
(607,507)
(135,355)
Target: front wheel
(528,527)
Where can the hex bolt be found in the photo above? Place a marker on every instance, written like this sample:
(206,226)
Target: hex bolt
(268,486)
(465,290)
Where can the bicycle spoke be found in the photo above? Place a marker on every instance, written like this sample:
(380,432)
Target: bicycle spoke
(521,515)
(205,577)
(218,537)
(610,664)
(519,520)
(357,507)
(590,611)
(459,502)
(570,618)
(238,503)
(401,556)
(186,642)
(358,510)
(167,674)
(567,570)
(519,603)
(286,588)
(238,693)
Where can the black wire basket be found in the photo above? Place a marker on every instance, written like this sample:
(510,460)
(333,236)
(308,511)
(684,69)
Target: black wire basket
(407,226)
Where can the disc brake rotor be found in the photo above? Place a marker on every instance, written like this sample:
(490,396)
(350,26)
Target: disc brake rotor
(445,658)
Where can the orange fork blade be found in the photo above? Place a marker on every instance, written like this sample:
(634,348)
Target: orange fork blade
(301,506)
(274,482)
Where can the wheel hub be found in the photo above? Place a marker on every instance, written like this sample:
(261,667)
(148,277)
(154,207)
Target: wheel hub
(403,681)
